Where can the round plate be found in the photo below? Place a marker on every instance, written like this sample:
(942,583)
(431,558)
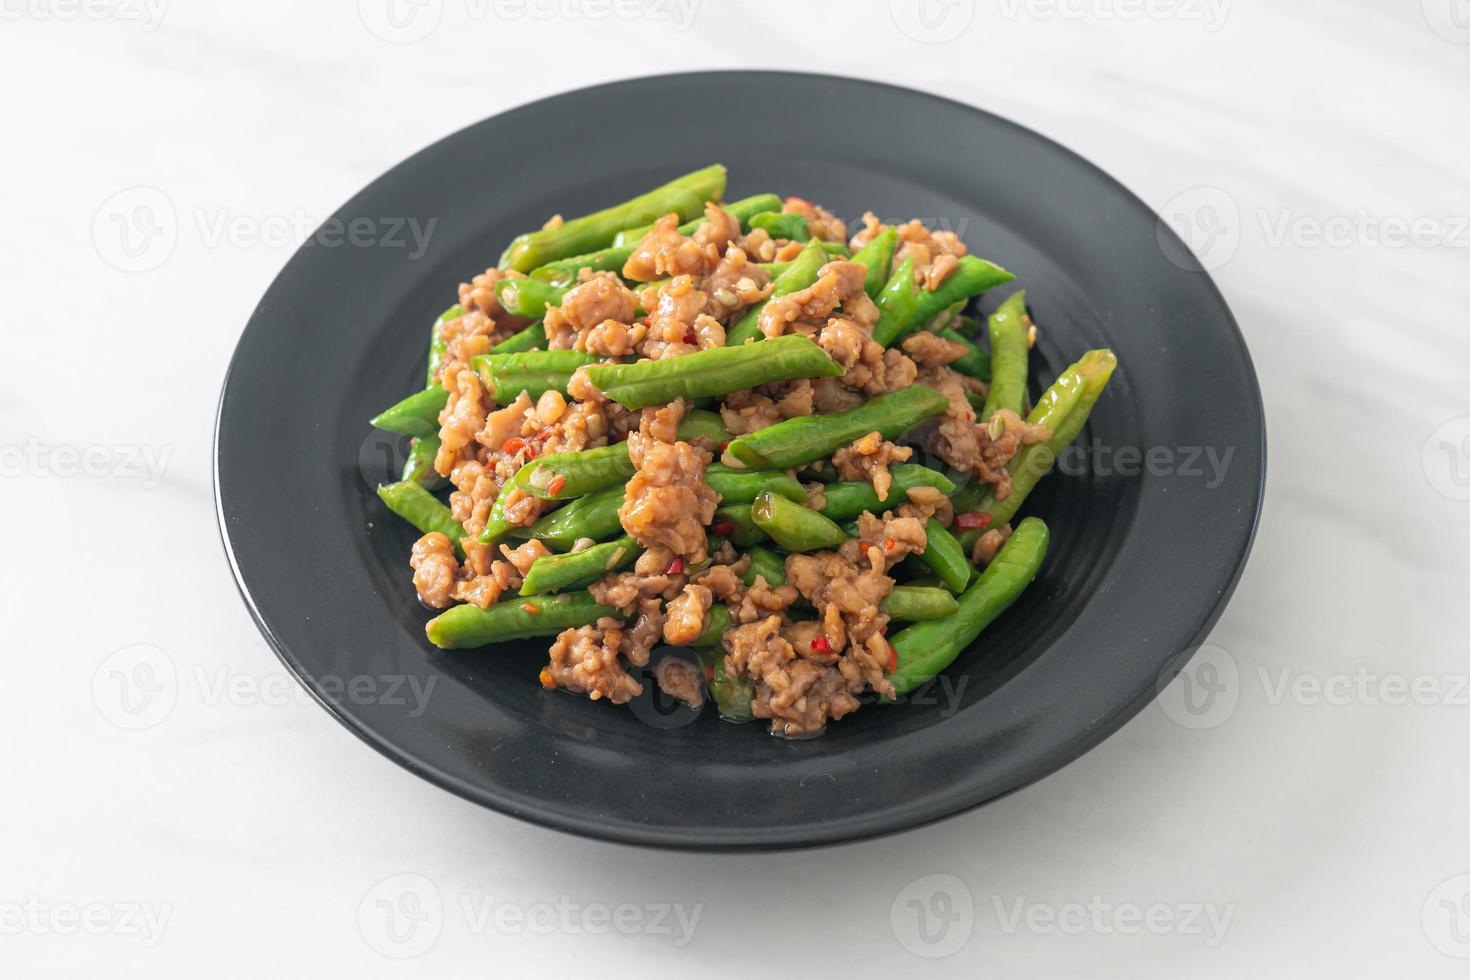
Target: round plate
(1150,530)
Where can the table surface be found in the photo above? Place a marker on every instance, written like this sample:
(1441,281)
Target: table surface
(1298,810)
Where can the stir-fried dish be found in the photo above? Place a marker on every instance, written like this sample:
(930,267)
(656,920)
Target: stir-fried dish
(788,454)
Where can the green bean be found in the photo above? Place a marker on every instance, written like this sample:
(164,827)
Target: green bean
(800,274)
(562,476)
(717,619)
(765,563)
(849,499)
(534,372)
(551,573)
(564,272)
(530,338)
(496,526)
(944,556)
(419,467)
(945,317)
(594,516)
(732,695)
(877,255)
(422,509)
(1063,409)
(466,626)
(716,371)
(794,527)
(685,195)
(791,227)
(416,415)
(1008,356)
(968,326)
(742,210)
(924,649)
(437,343)
(896,303)
(735,522)
(917,604)
(529,297)
(701,423)
(975,363)
(743,486)
(796,442)
(972,277)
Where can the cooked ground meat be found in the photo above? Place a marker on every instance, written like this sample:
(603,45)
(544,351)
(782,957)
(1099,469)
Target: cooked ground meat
(589,304)
(438,576)
(686,615)
(680,679)
(984,450)
(820,222)
(988,545)
(931,350)
(868,458)
(586,661)
(435,569)
(805,311)
(896,536)
(667,502)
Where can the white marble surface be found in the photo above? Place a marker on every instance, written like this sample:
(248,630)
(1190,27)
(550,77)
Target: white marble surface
(245,833)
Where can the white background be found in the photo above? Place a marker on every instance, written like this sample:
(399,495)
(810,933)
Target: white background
(1306,806)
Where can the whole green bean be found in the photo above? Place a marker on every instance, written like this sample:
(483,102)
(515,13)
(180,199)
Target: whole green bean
(562,476)
(466,626)
(1008,356)
(529,297)
(800,274)
(685,195)
(975,363)
(735,522)
(917,604)
(972,277)
(535,371)
(743,486)
(896,303)
(1063,409)
(419,467)
(794,527)
(742,210)
(791,227)
(765,563)
(944,556)
(437,343)
(924,649)
(529,338)
(877,255)
(732,695)
(847,500)
(796,442)
(416,415)
(716,371)
(551,573)
(594,516)
(410,501)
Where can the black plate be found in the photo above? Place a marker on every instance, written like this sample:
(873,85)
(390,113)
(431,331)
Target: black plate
(1141,564)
